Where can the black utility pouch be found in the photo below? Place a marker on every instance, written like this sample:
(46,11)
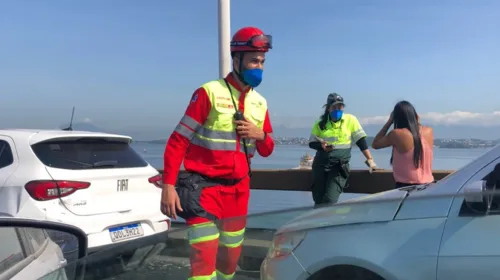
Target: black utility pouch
(189,187)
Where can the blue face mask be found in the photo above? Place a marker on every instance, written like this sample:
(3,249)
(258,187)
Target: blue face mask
(336,115)
(253,77)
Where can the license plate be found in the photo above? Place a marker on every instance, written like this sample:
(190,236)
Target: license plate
(125,232)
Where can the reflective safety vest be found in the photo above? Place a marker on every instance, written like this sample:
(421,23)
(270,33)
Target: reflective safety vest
(218,133)
(340,134)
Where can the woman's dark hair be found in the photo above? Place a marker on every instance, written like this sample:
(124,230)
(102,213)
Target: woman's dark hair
(405,116)
(324,119)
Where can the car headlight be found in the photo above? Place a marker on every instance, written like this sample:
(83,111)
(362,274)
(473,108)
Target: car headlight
(285,243)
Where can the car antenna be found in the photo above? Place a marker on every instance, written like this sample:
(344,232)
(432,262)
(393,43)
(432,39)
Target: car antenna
(70,127)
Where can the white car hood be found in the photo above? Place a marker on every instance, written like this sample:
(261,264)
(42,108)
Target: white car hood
(379,207)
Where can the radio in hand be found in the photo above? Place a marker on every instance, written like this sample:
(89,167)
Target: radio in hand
(239,117)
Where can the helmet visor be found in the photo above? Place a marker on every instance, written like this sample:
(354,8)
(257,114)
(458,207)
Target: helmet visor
(258,42)
(262,41)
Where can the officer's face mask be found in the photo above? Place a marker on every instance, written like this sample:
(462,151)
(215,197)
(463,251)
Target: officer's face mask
(253,77)
(336,114)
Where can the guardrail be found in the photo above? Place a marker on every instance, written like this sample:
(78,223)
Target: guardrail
(360,181)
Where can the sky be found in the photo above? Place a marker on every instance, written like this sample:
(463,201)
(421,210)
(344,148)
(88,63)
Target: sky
(134,64)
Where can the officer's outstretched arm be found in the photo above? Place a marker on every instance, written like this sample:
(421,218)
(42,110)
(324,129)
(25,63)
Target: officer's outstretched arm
(194,117)
(266,147)
(315,142)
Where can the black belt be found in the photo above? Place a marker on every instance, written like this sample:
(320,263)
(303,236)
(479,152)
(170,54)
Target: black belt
(221,181)
(212,181)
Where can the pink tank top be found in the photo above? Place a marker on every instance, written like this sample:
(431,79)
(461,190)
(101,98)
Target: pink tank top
(404,170)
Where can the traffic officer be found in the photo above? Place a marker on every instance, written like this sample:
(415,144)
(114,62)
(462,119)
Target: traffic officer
(332,137)
(226,121)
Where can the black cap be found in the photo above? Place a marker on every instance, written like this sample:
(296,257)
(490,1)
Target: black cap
(334,98)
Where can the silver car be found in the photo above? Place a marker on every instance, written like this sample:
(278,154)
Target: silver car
(446,230)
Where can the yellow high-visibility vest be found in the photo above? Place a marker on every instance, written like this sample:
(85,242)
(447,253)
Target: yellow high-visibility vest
(218,133)
(340,134)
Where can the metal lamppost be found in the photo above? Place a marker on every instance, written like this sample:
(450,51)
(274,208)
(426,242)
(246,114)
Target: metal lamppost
(224,18)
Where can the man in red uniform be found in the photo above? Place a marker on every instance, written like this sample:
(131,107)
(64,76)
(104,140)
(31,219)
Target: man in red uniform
(225,122)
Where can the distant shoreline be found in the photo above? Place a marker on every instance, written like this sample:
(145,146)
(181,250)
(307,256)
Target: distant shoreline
(439,143)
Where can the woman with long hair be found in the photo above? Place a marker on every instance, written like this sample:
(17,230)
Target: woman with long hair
(332,137)
(412,146)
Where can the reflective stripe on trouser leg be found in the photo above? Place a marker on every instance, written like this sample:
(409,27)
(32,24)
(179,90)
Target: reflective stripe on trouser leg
(232,239)
(204,239)
(229,253)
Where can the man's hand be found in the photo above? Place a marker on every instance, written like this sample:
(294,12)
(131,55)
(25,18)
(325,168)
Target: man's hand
(371,165)
(170,202)
(248,130)
(326,147)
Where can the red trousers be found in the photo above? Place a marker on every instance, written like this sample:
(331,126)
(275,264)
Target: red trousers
(216,246)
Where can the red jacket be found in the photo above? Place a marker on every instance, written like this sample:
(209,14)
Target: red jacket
(220,164)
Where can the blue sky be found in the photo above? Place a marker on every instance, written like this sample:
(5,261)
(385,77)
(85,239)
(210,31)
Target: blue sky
(127,63)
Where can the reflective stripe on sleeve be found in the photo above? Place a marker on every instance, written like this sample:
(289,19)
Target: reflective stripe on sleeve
(184,131)
(190,122)
(313,138)
(358,134)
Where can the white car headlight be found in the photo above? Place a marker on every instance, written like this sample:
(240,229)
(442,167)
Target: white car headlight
(285,243)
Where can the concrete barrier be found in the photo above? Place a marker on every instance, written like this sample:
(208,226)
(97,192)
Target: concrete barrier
(360,181)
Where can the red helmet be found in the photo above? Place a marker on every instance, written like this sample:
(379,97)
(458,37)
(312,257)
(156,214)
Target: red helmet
(251,39)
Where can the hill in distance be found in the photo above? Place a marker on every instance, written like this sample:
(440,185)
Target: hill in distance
(440,131)
(161,133)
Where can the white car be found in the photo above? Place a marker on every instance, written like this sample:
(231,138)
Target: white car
(94,181)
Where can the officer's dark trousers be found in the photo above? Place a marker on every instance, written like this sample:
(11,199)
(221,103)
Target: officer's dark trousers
(330,175)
